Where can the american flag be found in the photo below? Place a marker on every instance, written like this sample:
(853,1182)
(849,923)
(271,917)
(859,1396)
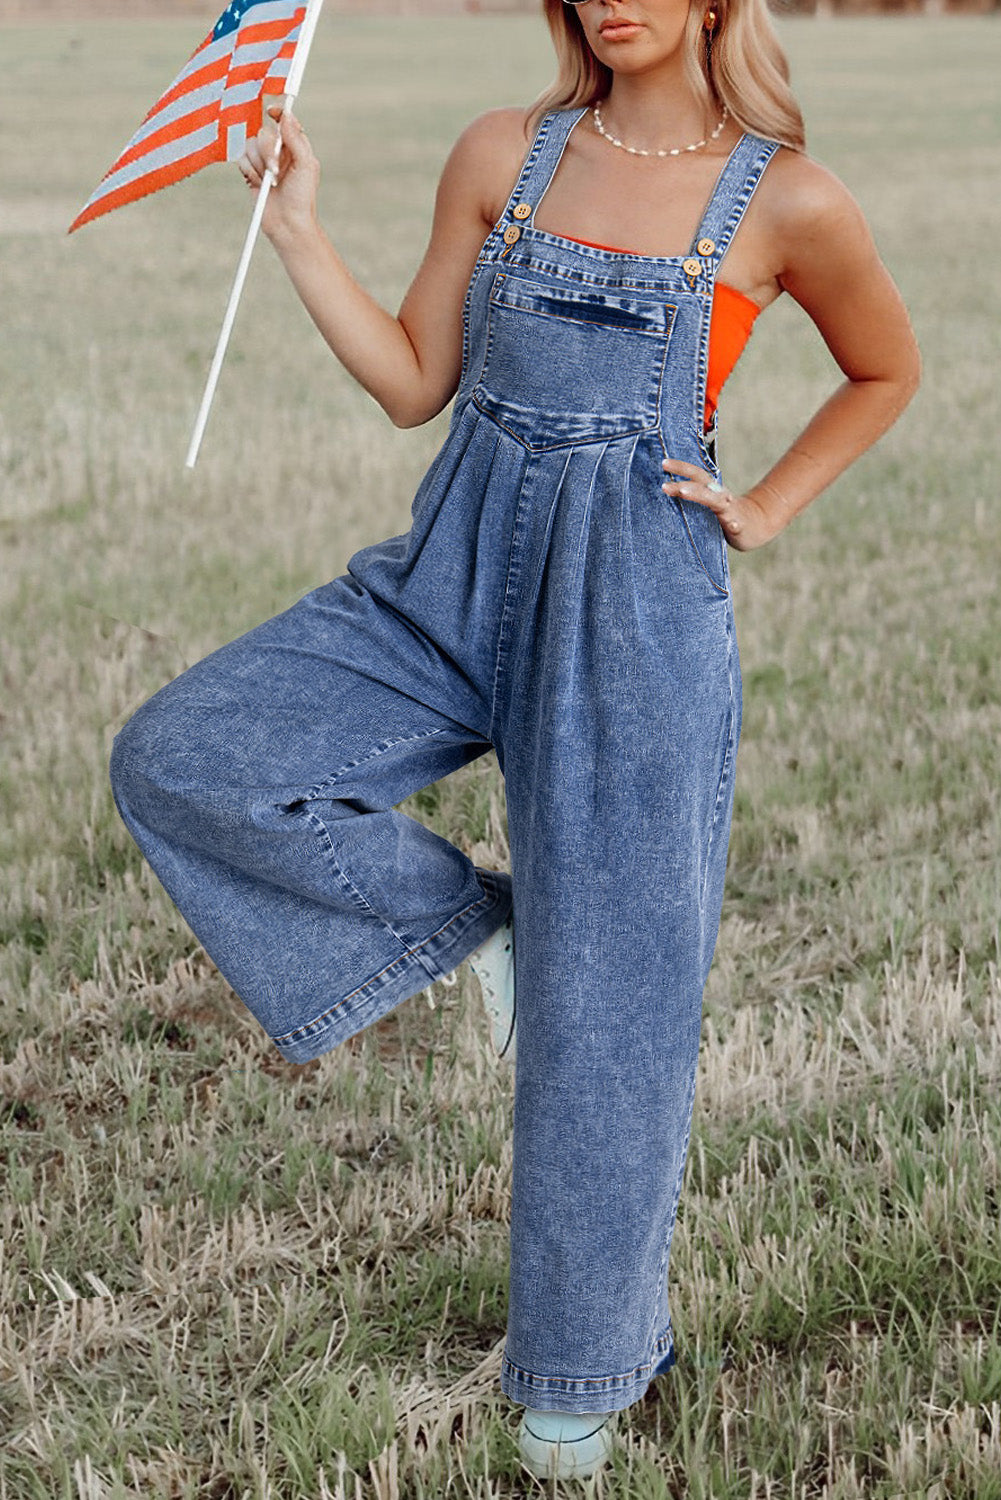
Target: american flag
(211,107)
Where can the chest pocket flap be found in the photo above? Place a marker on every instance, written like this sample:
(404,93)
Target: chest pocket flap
(572,363)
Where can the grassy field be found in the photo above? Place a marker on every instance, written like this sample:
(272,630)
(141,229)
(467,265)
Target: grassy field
(222,1276)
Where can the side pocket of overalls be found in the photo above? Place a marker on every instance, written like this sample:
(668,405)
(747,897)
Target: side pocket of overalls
(702,527)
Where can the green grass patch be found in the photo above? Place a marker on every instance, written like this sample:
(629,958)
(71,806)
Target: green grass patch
(222,1276)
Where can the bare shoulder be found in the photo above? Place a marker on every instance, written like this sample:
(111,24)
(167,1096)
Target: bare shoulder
(802,203)
(489,153)
(497,134)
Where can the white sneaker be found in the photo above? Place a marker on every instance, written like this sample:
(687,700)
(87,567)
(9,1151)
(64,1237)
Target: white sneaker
(493,965)
(558,1445)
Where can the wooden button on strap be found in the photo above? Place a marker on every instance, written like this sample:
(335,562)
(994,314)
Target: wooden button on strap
(512,235)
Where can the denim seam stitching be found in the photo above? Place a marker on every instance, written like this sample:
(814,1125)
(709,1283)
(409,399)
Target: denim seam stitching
(701,381)
(652,426)
(720,792)
(654,301)
(600,256)
(382,748)
(635,1373)
(536,312)
(487,346)
(485,249)
(359,896)
(466,309)
(320,828)
(678,281)
(723,783)
(672,1217)
(672,309)
(734,212)
(309,1027)
(720,589)
(537,199)
(507,607)
(579,442)
(728,210)
(721,197)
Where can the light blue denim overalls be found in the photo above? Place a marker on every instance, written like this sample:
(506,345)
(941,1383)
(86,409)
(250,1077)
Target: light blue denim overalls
(550,601)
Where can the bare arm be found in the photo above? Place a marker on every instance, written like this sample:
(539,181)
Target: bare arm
(410,363)
(827,261)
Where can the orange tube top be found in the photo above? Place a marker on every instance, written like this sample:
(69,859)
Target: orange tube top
(729,330)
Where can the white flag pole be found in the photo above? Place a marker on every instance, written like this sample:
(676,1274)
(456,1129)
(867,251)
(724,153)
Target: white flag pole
(292,86)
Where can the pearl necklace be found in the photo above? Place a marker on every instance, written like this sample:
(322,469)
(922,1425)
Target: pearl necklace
(675,150)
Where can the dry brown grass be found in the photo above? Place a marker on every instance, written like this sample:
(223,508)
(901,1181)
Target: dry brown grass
(225,1276)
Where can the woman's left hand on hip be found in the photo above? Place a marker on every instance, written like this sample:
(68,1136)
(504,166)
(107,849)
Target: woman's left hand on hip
(742,519)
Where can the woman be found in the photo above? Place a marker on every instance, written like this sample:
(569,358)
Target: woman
(562,596)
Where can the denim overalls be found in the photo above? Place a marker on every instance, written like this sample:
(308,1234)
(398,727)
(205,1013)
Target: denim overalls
(550,601)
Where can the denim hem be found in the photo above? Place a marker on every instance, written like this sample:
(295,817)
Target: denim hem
(599,1393)
(442,952)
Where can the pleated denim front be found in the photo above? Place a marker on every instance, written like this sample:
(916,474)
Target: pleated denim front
(551,602)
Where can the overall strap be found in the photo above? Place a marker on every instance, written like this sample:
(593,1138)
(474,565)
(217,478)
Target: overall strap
(540,164)
(733,192)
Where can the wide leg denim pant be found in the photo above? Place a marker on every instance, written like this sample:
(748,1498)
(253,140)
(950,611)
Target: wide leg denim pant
(548,601)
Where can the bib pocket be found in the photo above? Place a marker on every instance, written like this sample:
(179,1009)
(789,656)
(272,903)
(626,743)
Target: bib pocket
(572,363)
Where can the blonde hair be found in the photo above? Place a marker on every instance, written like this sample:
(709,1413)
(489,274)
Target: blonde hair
(743,67)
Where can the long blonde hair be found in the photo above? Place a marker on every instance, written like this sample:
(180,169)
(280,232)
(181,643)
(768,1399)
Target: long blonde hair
(743,67)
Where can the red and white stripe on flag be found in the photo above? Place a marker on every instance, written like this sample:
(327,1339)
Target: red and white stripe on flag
(211,108)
